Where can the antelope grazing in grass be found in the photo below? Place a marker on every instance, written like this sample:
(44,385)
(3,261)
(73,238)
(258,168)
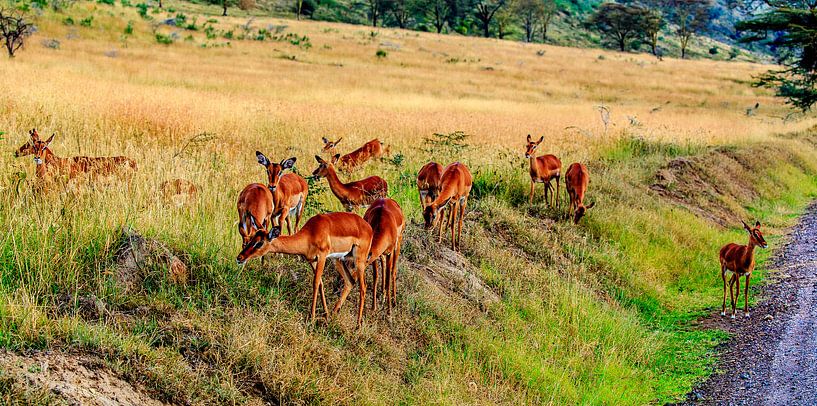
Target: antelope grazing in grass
(428,182)
(387,221)
(179,191)
(254,211)
(344,237)
(355,194)
(358,157)
(543,169)
(455,186)
(739,261)
(576,179)
(50,166)
(288,191)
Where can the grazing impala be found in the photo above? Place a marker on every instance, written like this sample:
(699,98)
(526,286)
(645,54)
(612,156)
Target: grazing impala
(738,261)
(330,148)
(28,147)
(455,186)
(341,236)
(543,169)
(288,191)
(387,221)
(576,179)
(358,157)
(355,194)
(50,165)
(254,210)
(428,182)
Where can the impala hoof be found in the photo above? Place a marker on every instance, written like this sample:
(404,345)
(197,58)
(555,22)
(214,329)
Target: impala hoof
(723,313)
(733,317)
(747,315)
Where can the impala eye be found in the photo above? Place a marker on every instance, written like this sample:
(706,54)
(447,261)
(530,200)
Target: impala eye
(258,244)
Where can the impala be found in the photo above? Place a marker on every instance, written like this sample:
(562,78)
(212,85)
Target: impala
(738,261)
(355,194)
(254,210)
(455,186)
(576,179)
(50,165)
(288,191)
(543,169)
(342,236)
(387,221)
(356,158)
(428,182)
(28,147)
(179,191)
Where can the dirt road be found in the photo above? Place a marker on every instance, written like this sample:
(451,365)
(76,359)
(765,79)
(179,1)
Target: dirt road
(772,357)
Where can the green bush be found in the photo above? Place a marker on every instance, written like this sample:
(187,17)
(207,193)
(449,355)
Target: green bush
(381,53)
(86,22)
(68,21)
(163,39)
(129,28)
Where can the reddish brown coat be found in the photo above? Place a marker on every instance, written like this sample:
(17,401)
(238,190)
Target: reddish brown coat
(428,182)
(543,169)
(387,221)
(577,178)
(355,194)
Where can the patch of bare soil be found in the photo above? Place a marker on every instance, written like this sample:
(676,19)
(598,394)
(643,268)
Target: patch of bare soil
(74,379)
(137,254)
(451,272)
(771,358)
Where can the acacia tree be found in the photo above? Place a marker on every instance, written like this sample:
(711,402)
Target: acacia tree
(622,23)
(376,9)
(14,29)
(504,19)
(529,12)
(790,27)
(402,11)
(549,9)
(691,17)
(653,24)
(485,11)
(438,12)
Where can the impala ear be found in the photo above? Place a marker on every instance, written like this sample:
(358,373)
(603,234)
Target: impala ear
(746,226)
(288,163)
(542,138)
(335,158)
(51,138)
(319,159)
(261,158)
(325,141)
(339,140)
(274,232)
(528,137)
(757,224)
(252,221)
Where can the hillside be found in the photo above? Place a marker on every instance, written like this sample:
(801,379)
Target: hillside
(534,310)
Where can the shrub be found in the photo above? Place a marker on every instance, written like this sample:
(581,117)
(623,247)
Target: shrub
(143,10)
(163,39)
(246,4)
(181,19)
(108,2)
(381,53)
(86,22)
(68,21)
(210,32)
(129,28)
(713,51)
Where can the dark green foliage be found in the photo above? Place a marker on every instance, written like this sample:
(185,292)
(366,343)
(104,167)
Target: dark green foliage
(108,2)
(790,27)
(621,23)
(68,21)
(381,53)
(86,22)
(163,39)
(143,11)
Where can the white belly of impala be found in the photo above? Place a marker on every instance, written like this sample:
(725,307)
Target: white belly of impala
(338,255)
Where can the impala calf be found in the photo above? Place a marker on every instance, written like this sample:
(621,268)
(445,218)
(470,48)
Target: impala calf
(428,182)
(254,211)
(576,179)
(543,169)
(355,194)
(455,186)
(739,261)
(358,157)
(289,191)
(387,221)
(342,236)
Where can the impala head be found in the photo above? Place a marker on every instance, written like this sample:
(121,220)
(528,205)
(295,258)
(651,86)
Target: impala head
(254,245)
(274,171)
(431,215)
(755,236)
(323,166)
(28,147)
(581,211)
(329,145)
(249,226)
(39,149)
(531,148)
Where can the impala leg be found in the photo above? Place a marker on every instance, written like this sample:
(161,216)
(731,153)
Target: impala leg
(746,297)
(394,263)
(558,178)
(289,221)
(361,270)
(462,216)
(347,287)
(547,186)
(723,276)
(732,293)
(454,209)
(532,189)
(316,285)
(374,283)
(441,218)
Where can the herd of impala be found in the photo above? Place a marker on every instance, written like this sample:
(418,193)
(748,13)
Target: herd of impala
(352,242)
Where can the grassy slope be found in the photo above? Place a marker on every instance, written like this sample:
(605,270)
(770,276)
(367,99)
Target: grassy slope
(597,313)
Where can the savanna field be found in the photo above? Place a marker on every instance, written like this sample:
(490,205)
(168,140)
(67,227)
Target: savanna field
(602,312)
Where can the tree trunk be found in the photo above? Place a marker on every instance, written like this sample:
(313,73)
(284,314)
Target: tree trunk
(224,4)
(160,3)
(487,28)
(300,7)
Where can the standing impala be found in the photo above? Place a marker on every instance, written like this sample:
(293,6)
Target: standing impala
(254,210)
(288,191)
(428,182)
(50,166)
(455,186)
(576,179)
(355,194)
(387,221)
(341,236)
(738,261)
(358,157)
(543,169)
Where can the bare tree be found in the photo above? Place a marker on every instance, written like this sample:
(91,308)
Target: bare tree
(485,11)
(437,11)
(691,17)
(14,29)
